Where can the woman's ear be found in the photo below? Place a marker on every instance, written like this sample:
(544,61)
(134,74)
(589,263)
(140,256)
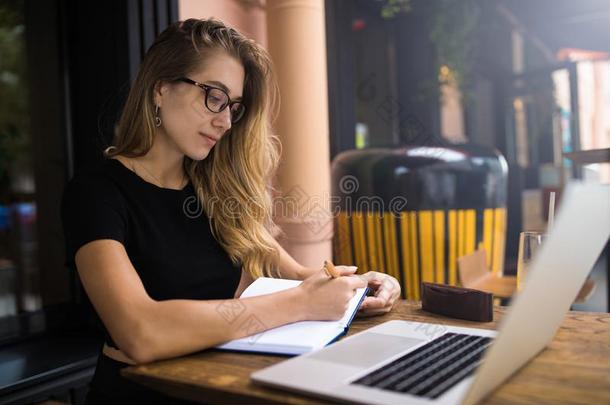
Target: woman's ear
(161,88)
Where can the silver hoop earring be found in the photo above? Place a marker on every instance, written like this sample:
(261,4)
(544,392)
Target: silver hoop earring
(157,118)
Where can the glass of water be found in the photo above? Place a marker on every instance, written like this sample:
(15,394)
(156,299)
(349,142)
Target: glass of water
(529,243)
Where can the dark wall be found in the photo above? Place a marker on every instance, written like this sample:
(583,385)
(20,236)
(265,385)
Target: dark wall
(105,42)
(341,92)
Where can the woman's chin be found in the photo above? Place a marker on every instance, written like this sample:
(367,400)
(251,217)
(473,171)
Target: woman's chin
(199,154)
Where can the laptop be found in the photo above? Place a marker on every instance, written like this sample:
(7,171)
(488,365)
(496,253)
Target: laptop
(406,362)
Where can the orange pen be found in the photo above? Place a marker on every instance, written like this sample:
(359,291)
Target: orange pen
(329,269)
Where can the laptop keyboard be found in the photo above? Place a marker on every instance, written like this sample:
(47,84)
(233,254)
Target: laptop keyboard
(432,369)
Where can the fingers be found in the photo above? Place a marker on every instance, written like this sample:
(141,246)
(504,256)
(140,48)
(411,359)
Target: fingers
(337,271)
(374,276)
(384,297)
(383,282)
(370,306)
(375,303)
(384,294)
(356,281)
(346,274)
(387,290)
(346,270)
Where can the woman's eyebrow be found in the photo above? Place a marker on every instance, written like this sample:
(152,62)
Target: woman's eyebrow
(222,86)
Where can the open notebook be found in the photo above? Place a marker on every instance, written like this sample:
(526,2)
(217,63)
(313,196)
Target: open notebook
(295,338)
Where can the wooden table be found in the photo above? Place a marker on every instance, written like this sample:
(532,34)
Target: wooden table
(575,368)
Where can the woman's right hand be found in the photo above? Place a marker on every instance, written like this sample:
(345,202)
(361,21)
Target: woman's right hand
(325,298)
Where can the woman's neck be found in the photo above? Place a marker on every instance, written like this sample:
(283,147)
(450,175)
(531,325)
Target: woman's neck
(160,167)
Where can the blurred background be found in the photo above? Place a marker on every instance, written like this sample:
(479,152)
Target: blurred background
(523,85)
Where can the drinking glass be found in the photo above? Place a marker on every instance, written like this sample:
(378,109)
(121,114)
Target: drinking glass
(529,243)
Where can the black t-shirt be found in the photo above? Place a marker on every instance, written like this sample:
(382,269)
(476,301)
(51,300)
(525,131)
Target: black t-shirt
(166,233)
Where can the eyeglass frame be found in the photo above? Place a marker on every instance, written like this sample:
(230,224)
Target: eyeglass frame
(206,88)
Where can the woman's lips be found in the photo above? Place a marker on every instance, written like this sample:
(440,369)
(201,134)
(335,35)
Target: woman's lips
(209,138)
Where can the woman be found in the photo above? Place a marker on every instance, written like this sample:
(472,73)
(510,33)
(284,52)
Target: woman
(158,251)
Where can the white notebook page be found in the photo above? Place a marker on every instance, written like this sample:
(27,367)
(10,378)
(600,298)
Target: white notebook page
(294,338)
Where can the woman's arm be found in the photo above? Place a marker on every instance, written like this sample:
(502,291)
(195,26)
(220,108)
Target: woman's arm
(147,330)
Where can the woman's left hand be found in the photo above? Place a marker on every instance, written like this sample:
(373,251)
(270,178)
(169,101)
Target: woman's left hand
(386,289)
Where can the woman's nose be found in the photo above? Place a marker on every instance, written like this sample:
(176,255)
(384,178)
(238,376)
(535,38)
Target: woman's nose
(223,119)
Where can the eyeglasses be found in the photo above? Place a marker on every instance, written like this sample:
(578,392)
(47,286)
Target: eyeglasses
(216,100)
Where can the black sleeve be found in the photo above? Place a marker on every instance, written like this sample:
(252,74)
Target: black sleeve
(91,209)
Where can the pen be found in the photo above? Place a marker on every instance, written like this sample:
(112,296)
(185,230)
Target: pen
(329,269)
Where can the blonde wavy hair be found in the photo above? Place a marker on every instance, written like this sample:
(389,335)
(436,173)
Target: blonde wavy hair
(240,167)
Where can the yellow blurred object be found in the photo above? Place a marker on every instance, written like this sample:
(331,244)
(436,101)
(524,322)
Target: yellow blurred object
(416,246)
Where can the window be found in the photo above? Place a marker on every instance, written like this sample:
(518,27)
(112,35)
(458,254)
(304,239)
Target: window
(19,272)
(32,169)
